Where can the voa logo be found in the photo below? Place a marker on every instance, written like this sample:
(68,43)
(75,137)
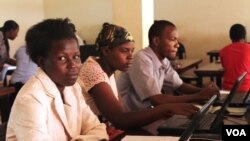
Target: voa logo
(236,132)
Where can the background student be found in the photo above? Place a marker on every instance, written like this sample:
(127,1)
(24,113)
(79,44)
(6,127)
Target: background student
(9,30)
(235,59)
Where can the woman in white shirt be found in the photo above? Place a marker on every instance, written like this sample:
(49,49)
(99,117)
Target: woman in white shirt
(50,105)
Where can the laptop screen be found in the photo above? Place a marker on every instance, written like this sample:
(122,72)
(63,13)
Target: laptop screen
(217,122)
(196,119)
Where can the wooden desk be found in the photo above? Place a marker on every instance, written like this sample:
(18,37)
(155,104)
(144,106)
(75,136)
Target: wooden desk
(132,132)
(185,64)
(213,55)
(5,91)
(209,70)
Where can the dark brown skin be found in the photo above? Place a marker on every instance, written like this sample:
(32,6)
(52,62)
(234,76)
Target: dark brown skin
(166,46)
(63,63)
(119,58)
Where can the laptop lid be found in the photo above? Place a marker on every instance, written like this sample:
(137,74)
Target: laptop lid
(177,121)
(196,119)
(238,100)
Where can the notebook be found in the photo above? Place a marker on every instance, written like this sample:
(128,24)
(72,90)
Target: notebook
(210,123)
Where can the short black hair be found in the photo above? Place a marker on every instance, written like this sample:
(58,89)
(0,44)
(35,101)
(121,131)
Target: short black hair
(9,25)
(237,32)
(157,29)
(40,36)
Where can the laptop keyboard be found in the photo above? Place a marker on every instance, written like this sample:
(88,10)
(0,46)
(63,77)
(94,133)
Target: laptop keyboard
(236,99)
(207,121)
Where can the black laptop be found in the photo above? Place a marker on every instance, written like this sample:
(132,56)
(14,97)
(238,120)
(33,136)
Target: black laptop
(210,123)
(239,99)
(196,120)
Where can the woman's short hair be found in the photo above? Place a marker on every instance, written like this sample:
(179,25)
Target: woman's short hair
(40,36)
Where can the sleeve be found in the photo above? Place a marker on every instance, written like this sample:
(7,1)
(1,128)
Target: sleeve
(172,79)
(141,75)
(92,129)
(91,75)
(29,122)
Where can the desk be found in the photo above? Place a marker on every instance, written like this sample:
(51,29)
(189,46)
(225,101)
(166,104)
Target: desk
(185,64)
(209,70)
(132,132)
(213,55)
(245,120)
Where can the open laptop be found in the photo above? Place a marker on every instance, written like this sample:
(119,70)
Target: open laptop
(196,120)
(239,99)
(210,123)
(186,134)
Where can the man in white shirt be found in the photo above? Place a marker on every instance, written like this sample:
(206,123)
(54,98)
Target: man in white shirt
(151,73)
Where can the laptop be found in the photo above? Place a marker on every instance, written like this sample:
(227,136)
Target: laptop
(187,132)
(196,120)
(210,123)
(239,99)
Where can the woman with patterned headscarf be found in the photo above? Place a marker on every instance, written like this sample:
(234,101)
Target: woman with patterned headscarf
(116,46)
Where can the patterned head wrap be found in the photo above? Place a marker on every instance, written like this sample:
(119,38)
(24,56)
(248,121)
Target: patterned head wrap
(112,36)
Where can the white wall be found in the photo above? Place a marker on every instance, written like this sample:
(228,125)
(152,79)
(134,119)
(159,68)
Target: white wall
(87,15)
(25,13)
(203,24)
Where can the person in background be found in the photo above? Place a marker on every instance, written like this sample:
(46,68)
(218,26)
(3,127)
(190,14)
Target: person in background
(235,59)
(10,31)
(50,105)
(25,68)
(181,52)
(151,74)
(96,77)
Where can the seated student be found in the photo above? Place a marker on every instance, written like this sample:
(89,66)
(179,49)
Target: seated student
(50,105)
(235,59)
(9,30)
(25,68)
(96,77)
(151,73)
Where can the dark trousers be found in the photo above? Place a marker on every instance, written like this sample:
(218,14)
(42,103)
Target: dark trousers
(7,101)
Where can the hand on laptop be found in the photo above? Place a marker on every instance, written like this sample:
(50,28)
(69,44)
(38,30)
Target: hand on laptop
(209,91)
(185,109)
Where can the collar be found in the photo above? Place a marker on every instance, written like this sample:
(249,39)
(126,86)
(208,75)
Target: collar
(158,64)
(48,85)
